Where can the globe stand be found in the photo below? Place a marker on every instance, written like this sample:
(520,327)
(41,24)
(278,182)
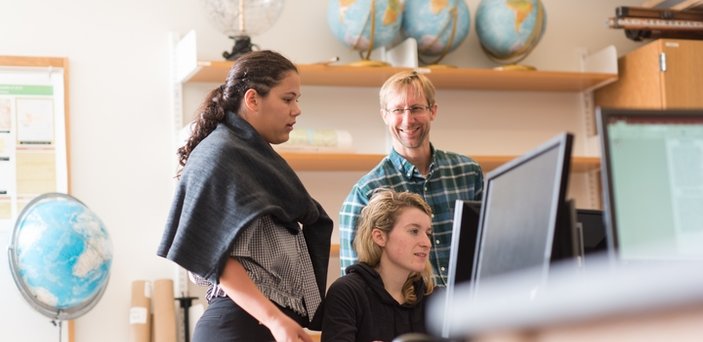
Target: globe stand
(440,66)
(58,323)
(515,67)
(368,63)
(185,303)
(509,63)
(242,45)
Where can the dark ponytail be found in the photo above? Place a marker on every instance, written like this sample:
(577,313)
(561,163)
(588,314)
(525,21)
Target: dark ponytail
(210,114)
(258,70)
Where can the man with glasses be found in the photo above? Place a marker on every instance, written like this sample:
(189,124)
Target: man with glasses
(408,108)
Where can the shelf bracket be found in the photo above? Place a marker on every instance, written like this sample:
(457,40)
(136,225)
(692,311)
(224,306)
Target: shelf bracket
(176,70)
(178,48)
(605,61)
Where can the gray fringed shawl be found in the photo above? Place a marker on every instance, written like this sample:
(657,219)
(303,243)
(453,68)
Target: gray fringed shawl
(232,177)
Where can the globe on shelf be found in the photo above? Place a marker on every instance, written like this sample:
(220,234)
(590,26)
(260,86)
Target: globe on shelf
(509,30)
(60,256)
(241,19)
(364,25)
(439,27)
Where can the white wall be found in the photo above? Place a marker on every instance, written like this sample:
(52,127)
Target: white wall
(120,120)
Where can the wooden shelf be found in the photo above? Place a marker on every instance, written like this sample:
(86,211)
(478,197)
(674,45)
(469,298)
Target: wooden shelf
(33,61)
(578,163)
(319,161)
(312,161)
(447,78)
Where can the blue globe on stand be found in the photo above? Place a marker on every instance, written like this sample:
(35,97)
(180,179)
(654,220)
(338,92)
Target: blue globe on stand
(439,27)
(364,25)
(509,30)
(60,256)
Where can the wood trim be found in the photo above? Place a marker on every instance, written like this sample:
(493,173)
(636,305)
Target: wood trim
(448,78)
(20,61)
(71,331)
(314,161)
(67,126)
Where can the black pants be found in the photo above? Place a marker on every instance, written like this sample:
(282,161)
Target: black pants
(225,321)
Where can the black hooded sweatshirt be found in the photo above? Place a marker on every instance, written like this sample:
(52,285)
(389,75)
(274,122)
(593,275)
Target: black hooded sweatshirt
(358,308)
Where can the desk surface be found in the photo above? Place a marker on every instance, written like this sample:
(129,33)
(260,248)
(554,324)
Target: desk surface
(603,291)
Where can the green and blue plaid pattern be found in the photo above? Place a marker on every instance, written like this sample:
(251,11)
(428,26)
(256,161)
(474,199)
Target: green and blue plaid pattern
(451,177)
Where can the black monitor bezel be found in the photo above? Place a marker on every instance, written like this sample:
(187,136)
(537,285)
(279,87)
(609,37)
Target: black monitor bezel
(564,143)
(594,214)
(464,233)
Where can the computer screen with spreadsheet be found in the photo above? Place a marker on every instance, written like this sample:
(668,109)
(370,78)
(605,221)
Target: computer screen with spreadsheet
(652,167)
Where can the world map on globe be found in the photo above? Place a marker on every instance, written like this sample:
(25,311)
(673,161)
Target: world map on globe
(439,27)
(361,26)
(60,256)
(509,30)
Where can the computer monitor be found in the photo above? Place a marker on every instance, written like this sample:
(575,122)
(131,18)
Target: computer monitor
(522,222)
(523,205)
(463,249)
(652,171)
(464,238)
(590,241)
(591,228)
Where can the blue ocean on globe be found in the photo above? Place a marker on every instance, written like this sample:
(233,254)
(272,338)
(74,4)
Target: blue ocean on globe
(350,22)
(509,30)
(434,23)
(60,256)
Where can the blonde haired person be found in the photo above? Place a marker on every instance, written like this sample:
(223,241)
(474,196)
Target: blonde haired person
(408,108)
(383,295)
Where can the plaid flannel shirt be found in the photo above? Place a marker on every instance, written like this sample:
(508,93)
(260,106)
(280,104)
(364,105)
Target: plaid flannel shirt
(451,177)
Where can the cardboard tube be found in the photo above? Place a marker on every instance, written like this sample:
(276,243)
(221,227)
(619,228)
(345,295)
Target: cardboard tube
(140,312)
(165,324)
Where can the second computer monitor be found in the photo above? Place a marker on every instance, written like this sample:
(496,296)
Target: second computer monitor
(591,231)
(523,201)
(464,238)
(463,250)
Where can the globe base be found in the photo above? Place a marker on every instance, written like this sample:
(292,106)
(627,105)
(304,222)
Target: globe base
(515,67)
(440,66)
(242,45)
(369,63)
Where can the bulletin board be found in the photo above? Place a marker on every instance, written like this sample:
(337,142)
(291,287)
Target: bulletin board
(33,131)
(34,141)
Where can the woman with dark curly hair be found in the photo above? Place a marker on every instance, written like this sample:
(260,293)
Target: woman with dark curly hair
(241,220)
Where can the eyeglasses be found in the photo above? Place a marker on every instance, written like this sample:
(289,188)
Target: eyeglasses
(414,110)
